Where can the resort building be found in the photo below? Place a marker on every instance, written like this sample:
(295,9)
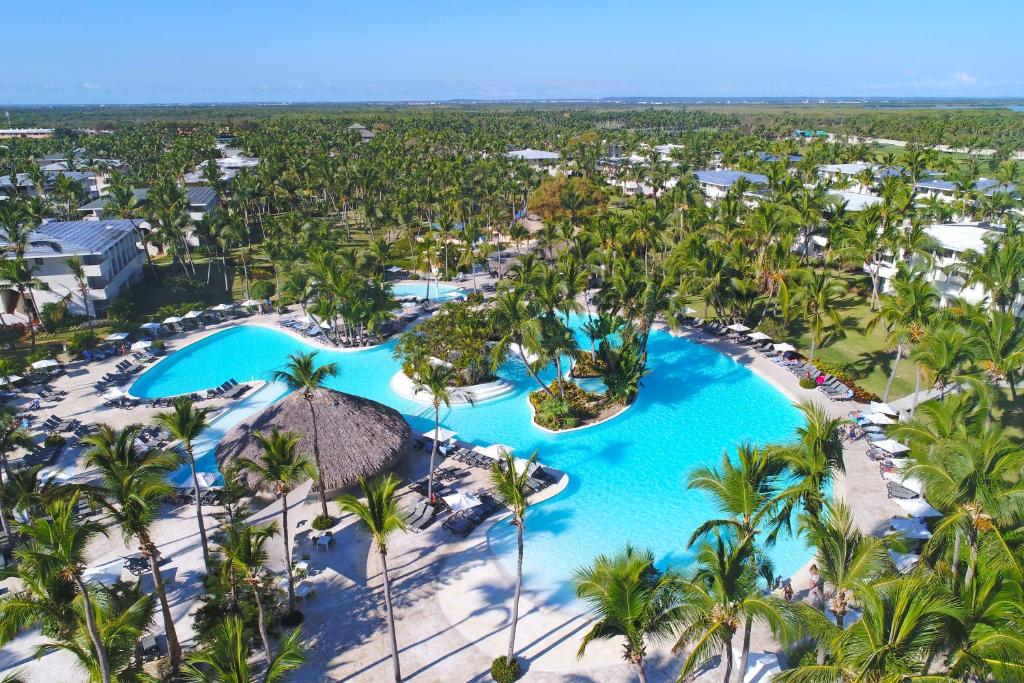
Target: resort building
(716,183)
(855,201)
(665,151)
(849,175)
(109,254)
(945,190)
(951,241)
(230,164)
(25,132)
(537,158)
(22,184)
(365,134)
(201,200)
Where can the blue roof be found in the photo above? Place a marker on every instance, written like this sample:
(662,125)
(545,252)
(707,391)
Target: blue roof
(727,177)
(76,237)
(201,195)
(140,197)
(986,186)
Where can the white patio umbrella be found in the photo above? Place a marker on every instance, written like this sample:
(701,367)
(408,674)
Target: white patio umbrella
(114,394)
(149,326)
(879,407)
(11,379)
(917,507)
(171,320)
(208,480)
(493,450)
(45,363)
(117,336)
(56,474)
(440,435)
(192,314)
(783,347)
(141,345)
(223,307)
(890,446)
(737,327)
(880,419)
(106,573)
(691,311)
(251,302)
(759,336)
(459,501)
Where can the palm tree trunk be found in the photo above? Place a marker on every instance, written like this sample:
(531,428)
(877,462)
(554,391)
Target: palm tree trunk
(199,512)
(173,647)
(433,451)
(519,590)
(94,633)
(728,661)
(745,654)
(522,354)
(917,390)
(316,456)
(892,375)
(287,553)
(640,673)
(391,616)
(262,624)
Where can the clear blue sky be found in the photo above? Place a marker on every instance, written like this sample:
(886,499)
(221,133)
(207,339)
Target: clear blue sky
(121,51)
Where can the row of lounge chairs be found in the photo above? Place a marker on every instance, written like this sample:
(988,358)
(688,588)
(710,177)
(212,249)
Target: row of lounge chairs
(222,389)
(314,331)
(464,522)
(828,384)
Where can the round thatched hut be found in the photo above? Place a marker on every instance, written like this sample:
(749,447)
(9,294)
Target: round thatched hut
(358,437)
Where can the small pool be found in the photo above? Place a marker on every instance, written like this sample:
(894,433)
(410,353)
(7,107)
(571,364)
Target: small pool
(627,476)
(438,292)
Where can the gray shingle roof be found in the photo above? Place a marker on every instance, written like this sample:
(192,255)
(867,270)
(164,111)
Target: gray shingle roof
(727,177)
(201,195)
(140,197)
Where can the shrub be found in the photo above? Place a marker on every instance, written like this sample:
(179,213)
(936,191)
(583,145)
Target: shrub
(564,413)
(261,289)
(807,383)
(11,334)
(122,310)
(41,353)
(54,441)
(774,329)
(82,341)
(504,670)
(585,366)
(323,522)
(180,284)
(159,345)
(840,371)
(292,619)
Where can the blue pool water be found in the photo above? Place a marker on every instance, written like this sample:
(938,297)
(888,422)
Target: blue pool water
(627,476)
(419,289)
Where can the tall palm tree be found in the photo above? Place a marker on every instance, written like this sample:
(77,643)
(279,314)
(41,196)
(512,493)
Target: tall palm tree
(185,423)
(435,379)
(82,285)
(21,275)
(280,469)
(512,317)
(718,597)
(818,293)
(941,357)
(245,553)
(301,373)
(510,486)
(133,485)
(628,598)
(56,547)
(812,461)
(12,435)
(225,659)
(902,623)
(382,519)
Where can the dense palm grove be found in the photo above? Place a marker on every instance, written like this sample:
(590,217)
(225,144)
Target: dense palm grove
(324,214)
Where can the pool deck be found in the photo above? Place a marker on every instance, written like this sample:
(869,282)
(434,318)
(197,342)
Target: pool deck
(451,595)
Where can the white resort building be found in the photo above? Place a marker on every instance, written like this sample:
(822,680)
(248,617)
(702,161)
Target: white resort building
(716,183)
(109,254)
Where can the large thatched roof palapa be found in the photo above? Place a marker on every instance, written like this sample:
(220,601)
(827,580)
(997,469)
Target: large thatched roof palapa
(358,437)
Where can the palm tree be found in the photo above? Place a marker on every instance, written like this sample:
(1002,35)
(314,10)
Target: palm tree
(902,623)
(818,292)
(628,598)
(81,284)
(846,557)
(21,275)
(940,356)
(302,374)
(185,424)
(510,486)
(133,486)
(245,553)
(512,317)
(225,659)
(56,547)
(812,461)
(281,469)
(718,597)
(381,518)
(435,379)
(12,435)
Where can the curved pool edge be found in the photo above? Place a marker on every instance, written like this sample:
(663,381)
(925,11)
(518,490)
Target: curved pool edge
(533,419)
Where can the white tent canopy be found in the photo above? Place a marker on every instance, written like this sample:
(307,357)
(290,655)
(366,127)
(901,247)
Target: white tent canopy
(737,327)
(759,336)
(45,363)
(141,345)
(223,307)
(149,326)
(192,314)
(783,347)
(11,379)
(879,407)
(891,446)
(172,320)
(117,336)
(459,501)
(441,435)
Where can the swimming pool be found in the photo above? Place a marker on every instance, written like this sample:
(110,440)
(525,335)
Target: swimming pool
(627,476)
(438,292)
